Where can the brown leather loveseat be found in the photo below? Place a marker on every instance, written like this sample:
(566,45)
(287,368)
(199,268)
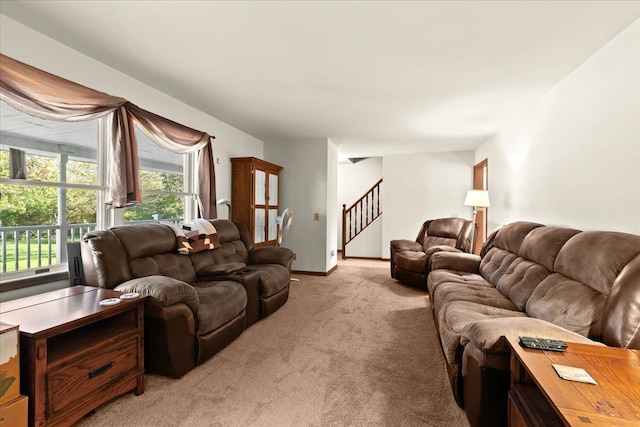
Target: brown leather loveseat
(198,302)
(530,280)
(411,260)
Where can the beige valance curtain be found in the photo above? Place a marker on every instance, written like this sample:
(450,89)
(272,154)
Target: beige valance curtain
(181,139)
(50,97)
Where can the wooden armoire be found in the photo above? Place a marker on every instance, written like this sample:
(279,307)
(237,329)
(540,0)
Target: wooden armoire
(254,197)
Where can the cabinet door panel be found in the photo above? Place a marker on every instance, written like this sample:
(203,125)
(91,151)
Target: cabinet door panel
(273,190)
(273,225)
(260,187)
(259,225)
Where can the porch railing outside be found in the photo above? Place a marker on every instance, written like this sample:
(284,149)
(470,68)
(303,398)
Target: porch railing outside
(35,246)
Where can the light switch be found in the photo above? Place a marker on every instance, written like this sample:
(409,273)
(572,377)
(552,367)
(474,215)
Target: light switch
(316,217)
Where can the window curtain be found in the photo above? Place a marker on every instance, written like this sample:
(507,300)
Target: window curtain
(50,97)
(181,139)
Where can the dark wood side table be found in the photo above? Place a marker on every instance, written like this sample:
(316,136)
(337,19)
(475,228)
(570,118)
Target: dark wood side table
(539,397)
(76,354)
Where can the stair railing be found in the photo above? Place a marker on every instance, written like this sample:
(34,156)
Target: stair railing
(360,215)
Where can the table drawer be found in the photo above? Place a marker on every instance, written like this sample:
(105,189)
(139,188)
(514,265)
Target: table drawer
(79,376)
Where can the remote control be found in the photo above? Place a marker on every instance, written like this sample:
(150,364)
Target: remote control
(543,344)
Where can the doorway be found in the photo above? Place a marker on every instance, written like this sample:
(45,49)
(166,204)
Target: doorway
(481,182)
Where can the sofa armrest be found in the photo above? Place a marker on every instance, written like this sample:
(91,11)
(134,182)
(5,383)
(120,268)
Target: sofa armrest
(485,340)
(405,245)
(461,261)
(271,255)
(164,291)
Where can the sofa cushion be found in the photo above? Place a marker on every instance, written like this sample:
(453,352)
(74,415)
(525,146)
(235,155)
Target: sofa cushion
(456,316)
(273,278)
(621,326)
(219,303)
(586,269)
(485,340)
(520,279)
(511,236)
(543,244)
(413,261)
(140,240)
(567,303)
(170,264)
(217,270)
(439,277)
(431,241)
(595,258)
(480,293)
(446,227)
(418,262)
(496,263)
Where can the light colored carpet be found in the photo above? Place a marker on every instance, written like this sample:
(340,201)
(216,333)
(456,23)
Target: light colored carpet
(351,349)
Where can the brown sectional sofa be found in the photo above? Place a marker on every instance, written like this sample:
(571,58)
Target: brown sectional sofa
(530,280)
(198,303)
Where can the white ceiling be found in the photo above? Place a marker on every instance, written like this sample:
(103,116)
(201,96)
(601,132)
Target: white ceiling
(375,77)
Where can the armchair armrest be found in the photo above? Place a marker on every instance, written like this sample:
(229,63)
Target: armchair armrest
(468,263)
(485,340)
(405,245)
(164,291)
(271,255)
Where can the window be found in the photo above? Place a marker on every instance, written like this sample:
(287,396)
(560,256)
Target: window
(58,195)
(51,197)
(163,183)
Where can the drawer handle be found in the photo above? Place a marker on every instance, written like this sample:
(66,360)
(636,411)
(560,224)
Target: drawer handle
(100,370)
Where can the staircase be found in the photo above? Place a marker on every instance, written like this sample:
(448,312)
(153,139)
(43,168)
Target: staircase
(359,215)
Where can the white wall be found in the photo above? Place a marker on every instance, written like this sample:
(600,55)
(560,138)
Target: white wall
(423,186)
(354,179)
(574,159)
(303,188)
(38,50)
(332,206)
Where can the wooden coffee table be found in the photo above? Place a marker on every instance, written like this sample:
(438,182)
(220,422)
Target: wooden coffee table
(76,354)
(539,397)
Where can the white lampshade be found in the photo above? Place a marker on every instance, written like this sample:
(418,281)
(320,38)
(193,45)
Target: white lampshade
(477,199)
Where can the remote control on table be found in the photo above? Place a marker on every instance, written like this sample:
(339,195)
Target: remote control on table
(543,344)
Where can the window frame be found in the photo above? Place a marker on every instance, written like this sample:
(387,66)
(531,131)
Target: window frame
(105,218)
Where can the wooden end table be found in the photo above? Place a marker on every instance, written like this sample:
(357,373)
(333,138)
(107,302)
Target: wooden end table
(539,397)
(76,354)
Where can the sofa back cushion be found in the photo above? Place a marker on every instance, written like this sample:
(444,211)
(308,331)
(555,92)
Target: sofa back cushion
(505,250)
(543,244)
(454,232)
(538,252)
(233,248)
(152,251)
(621,327)
(514,275)
(588,268)
(567,303)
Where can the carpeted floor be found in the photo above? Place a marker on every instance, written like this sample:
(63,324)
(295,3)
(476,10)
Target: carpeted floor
(355,348)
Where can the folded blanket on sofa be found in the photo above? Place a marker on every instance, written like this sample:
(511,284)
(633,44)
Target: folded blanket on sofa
(197,236)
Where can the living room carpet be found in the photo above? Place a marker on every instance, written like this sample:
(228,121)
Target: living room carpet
(355,348)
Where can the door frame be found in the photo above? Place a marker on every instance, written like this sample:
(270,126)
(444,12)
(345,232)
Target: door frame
(481,182)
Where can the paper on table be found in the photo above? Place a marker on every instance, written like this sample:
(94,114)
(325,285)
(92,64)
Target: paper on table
(572,373)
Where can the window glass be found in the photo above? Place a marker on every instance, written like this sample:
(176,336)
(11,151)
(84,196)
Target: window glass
(161,173)
(38,216)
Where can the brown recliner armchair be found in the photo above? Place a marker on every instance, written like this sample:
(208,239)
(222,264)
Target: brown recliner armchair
(410,260)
